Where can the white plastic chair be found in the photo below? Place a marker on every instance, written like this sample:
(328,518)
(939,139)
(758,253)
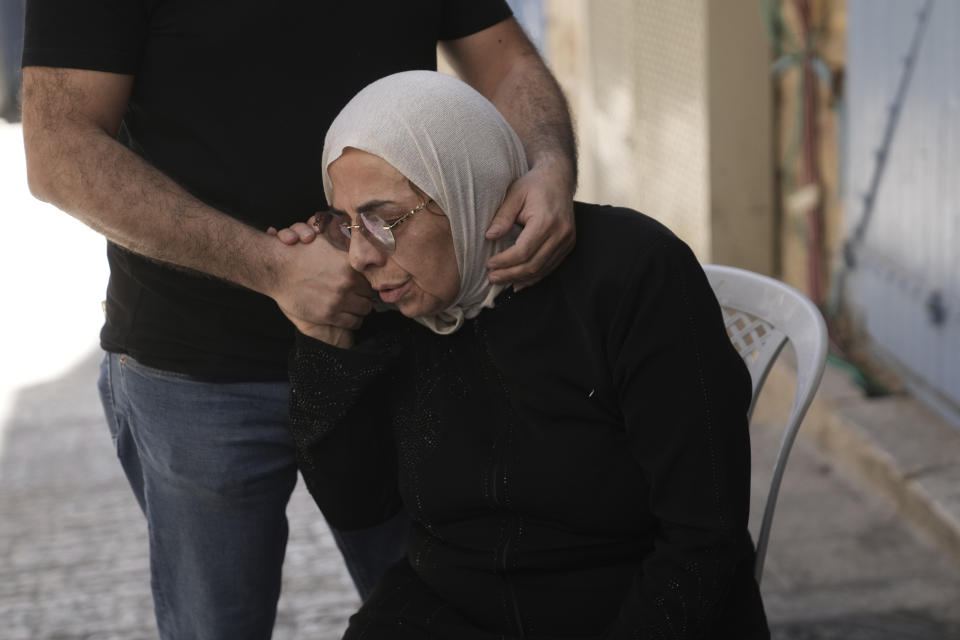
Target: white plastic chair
(761,314)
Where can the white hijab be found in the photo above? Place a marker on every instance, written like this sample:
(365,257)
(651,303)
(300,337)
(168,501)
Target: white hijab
(455,146)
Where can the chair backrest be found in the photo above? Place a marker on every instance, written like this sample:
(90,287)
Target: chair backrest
(761,314)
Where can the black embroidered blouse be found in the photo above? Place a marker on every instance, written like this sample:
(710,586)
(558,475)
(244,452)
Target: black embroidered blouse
(575,461)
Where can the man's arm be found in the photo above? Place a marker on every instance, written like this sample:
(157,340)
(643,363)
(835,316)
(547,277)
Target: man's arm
(502,64)
(70,121)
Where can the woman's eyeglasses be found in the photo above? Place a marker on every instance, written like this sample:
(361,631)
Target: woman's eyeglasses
(377,230)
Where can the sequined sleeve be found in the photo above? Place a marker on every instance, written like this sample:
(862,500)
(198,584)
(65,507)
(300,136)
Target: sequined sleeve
(340,419)
(684,393)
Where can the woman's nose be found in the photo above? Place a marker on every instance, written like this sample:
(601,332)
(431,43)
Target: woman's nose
(363,253)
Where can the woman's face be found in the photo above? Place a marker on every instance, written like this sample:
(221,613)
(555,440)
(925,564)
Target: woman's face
(420,276)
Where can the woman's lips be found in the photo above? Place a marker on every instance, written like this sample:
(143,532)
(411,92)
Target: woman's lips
(391,293)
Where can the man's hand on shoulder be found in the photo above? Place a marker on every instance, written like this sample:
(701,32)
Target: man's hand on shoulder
(542,202)
(502,64)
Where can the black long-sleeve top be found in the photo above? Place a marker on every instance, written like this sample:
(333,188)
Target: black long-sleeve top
(575,461)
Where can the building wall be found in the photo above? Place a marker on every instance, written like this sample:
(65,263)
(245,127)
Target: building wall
(672,102)
(743,210)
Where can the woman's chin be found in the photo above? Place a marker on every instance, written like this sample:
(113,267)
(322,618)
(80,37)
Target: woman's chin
(417,308)
(415,311)
(409,309)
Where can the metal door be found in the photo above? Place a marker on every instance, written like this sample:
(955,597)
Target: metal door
(902,187)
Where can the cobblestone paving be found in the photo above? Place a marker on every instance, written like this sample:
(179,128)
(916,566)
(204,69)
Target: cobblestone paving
(73,542)
(73,565)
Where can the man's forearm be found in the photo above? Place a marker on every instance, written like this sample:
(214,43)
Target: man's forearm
(83,171)
(70,120)
(532,102)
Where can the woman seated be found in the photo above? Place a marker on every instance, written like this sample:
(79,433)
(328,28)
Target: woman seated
(574,457)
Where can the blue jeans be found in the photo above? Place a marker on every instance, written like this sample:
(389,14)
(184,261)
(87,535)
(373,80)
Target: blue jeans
(11,48)
(212,466)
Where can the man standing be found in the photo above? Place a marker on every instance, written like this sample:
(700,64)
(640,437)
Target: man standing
(181,130)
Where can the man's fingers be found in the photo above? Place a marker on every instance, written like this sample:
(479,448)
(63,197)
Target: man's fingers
(522,251)
(507,214)
(532,238)
(536,267)
(532,241)
(533,267)
(297,233)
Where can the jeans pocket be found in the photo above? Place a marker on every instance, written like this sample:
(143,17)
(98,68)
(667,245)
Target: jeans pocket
(107,396)
(127,362)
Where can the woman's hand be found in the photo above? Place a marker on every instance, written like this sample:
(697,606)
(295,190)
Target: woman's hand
(297,233)
(303,233)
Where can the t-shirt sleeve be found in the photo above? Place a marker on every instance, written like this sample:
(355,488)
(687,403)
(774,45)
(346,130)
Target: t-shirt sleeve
(462,18)
(100,35)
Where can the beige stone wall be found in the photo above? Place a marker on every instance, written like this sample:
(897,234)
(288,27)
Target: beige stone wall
(672,102)
(636,83)
(743,207)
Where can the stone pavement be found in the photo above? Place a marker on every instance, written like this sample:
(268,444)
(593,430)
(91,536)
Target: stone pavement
(73,542)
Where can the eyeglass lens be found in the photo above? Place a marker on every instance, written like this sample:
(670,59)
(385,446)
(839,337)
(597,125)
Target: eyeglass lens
(375,228)
(378,231)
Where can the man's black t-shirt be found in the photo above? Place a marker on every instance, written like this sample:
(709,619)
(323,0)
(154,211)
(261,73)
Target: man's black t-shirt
(232,101)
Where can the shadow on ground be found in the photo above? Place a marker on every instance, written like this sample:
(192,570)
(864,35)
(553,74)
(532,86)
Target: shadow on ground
(894,625)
